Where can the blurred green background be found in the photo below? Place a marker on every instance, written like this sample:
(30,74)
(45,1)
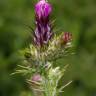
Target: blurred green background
(76,16)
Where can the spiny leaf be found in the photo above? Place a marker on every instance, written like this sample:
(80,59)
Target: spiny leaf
(60,90)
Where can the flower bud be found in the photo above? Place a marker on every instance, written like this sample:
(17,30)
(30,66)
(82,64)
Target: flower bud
(36,78)
(67,37)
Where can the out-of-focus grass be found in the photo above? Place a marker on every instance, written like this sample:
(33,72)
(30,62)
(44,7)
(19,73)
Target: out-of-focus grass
(76,16)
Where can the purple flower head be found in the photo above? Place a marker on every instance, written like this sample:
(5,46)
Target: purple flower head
(43,9)
(43,31)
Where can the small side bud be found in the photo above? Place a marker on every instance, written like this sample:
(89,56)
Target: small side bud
(36,78)
(66,38)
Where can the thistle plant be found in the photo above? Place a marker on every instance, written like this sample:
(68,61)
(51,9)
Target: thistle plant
(40,56)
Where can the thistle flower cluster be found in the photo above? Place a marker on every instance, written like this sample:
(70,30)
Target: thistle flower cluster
(39,57)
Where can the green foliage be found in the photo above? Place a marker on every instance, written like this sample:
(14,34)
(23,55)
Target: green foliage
(76,16)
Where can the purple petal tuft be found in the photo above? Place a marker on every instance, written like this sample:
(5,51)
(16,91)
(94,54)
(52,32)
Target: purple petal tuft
(42,8)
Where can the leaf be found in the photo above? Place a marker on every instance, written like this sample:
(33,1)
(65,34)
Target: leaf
(60,90)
